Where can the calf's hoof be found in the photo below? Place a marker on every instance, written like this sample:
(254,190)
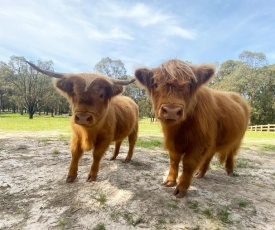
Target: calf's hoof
(70,179)
(168,183)
(179,194)
(230,174)
(199,175)
(127,159)
(91,178)
(112,158)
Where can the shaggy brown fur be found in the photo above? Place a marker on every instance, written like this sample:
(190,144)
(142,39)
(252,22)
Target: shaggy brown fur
(196,121)
(99,117)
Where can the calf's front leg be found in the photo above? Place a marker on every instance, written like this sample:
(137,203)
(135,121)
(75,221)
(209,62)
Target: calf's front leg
(98,153)
(76,152)
(190,165)
(171,179)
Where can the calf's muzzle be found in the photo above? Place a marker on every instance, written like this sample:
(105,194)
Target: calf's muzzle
(171,112)
(83,118)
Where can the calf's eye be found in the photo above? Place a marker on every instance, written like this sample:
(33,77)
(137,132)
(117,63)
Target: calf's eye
(155,85)
(101,95)
(190,87)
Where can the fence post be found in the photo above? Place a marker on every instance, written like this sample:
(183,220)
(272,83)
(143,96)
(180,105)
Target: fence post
(268,128)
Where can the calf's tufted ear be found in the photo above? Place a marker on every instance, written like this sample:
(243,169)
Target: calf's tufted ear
(116,89)
(144,77)
(65,85)
(203,74)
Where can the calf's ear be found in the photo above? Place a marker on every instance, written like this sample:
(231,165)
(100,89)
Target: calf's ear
(65,86)
(144,77)
(204,73)
(115,90)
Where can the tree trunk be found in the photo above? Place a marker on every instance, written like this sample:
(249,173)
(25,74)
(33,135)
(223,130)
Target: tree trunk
(31,111)
(1,101)
(21,110)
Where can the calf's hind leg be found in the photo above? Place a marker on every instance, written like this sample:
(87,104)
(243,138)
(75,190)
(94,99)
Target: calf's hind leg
(116,150)
(204,167)
(132,138)
(230,161)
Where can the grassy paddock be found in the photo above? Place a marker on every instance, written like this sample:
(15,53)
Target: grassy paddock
(264,141)
(149,133)
(17,122)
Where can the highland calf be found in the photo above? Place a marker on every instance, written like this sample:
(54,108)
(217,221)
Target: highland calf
(99,117)
(197,122)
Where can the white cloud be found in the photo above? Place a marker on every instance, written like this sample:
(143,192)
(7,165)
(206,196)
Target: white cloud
(184,33)
(113,34)
(145,16)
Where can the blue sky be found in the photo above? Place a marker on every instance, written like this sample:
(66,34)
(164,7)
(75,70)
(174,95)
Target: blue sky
(77,34)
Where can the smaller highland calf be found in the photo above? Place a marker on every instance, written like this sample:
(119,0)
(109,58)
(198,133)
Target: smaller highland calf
(100,116)
(197,122)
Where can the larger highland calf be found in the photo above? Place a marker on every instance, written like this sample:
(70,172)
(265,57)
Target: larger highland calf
(99,117)
(196,121)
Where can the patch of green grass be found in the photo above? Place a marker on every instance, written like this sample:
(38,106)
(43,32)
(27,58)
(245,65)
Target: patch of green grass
(19,211)
(65,138)
(129,218)
(193,204)
(173,204)
(223,215)
(61,222)
(44,139)
(270,148)
(102,198)
(245,163)
(56,152)
(99,226)
(243,203)
(208,212)
(149,144)
(115,215)
(215,164)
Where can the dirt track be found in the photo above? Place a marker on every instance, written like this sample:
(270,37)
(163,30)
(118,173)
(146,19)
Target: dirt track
(34,194)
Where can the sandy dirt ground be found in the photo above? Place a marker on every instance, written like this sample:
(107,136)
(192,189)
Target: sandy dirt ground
(34,195)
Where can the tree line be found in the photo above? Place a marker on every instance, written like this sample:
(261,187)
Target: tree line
(24,90)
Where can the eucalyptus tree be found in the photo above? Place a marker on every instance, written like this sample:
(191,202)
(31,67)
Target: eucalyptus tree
(254,80)
(111,68)
(30,88)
